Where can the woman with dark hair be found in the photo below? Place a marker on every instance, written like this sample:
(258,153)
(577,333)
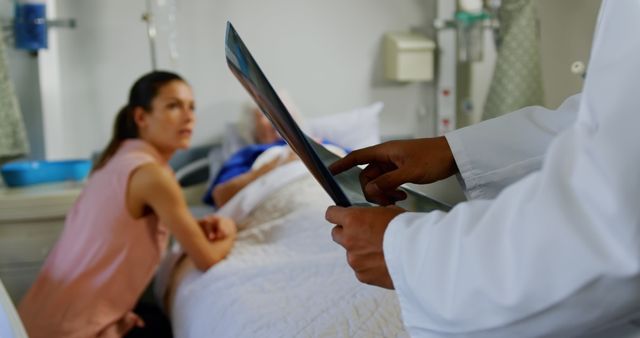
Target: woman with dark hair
(117,231)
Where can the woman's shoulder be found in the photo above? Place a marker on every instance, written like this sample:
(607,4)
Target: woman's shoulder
(149,174)
(133,153)
(130,155)
(138,148)
(152,181)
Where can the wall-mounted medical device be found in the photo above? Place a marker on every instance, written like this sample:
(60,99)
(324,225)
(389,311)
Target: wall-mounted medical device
(470,20)
(408,57)
(460,26)
(470,27)
(30,25)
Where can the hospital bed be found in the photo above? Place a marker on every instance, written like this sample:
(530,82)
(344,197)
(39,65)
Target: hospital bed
(285,277)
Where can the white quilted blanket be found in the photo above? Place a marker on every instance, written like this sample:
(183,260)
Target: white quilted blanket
(285,276)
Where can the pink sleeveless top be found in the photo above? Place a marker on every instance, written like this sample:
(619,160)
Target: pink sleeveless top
(103,259)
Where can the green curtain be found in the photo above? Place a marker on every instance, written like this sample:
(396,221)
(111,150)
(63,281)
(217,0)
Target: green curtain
(517,78)
(13,139)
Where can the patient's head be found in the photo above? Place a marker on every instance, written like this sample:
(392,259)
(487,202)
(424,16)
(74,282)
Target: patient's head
(264,132)
(255,127)
(160,110)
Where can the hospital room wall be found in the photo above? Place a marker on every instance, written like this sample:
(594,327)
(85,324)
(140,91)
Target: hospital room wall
(566,30)
(101,58)
(326,53)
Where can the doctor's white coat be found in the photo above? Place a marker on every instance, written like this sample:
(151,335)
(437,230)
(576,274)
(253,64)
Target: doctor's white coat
(549,244)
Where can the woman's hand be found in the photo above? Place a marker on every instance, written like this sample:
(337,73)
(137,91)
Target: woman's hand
(217,227)
(156,187)
(393,163)
(120,328)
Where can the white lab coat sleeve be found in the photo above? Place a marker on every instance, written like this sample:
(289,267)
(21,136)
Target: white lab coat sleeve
(497,152)
(556,254)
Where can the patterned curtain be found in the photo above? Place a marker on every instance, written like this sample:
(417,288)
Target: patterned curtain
(13,140)
(517,78)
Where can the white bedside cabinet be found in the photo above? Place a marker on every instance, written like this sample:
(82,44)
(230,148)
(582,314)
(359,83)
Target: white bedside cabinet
(31,220)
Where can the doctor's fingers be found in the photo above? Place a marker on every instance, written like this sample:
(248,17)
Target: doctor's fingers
(337,234)
(335,214)
(366,155)
(359,220)
(353,243)
(346,217)
(381,187)
(371,191)
(349,240)
(347,223)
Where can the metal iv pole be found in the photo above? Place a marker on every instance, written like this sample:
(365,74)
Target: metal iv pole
(151,33)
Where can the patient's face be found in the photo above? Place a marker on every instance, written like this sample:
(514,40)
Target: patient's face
(265,133)
(169,124)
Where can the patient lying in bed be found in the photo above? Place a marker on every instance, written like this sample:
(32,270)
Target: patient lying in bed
(285,277)
(254,134)
(244,141)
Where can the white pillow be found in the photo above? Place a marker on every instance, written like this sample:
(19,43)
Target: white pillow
(354,129)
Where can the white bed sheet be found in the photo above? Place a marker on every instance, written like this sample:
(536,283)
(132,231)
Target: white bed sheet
(285,277)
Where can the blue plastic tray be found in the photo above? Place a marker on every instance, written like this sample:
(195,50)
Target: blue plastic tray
(25,173)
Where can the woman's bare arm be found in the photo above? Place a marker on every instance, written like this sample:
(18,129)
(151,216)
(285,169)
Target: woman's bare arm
(154,186)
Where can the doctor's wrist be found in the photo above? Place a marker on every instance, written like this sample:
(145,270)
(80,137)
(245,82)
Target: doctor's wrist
(449,165)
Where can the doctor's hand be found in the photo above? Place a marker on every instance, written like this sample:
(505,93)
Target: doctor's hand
(217,227)
(393,163)
(361,232)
